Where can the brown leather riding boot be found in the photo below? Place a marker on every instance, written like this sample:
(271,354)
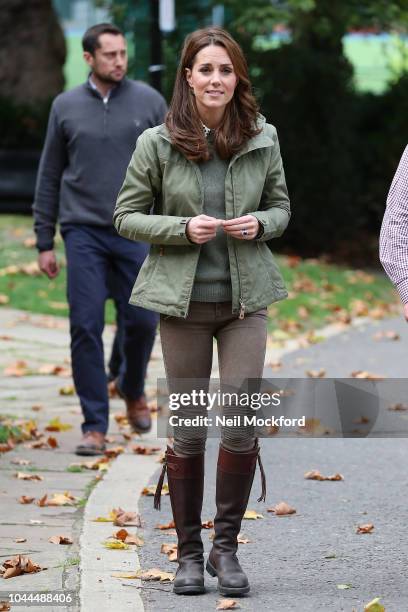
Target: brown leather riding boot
(185,476)
(235,474)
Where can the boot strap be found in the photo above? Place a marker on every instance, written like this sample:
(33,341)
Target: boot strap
(157,495)
(263,479)
(243,463)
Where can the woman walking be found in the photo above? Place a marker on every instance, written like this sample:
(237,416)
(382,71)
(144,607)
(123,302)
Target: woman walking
(213,174)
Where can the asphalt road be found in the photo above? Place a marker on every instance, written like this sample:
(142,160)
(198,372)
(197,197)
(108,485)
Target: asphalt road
(295,563)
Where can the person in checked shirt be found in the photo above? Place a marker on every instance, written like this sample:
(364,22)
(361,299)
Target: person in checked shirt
(394,232)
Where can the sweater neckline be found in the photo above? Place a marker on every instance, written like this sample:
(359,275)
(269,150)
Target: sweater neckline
(207,130)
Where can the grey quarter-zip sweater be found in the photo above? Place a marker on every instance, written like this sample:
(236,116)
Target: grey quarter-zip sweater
(212,281)
(87,150)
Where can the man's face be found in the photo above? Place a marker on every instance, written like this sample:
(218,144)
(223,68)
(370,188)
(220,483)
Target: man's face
(109,63)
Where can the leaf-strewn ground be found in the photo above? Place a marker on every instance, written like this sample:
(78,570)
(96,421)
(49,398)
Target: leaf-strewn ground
(319,293)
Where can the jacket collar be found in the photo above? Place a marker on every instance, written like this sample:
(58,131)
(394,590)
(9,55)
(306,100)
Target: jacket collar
(260,141)
(113,92)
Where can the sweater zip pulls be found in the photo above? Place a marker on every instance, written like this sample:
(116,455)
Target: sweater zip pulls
(241,299)
(105,114)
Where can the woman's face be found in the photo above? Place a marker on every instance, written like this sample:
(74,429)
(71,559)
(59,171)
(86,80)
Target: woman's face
(212,79)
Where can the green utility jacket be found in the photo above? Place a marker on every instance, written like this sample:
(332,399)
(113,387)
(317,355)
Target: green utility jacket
(159,175)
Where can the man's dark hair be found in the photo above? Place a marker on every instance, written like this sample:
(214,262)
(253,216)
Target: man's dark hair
(90,40)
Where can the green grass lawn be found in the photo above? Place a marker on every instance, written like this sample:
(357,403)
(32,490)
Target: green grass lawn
(318,292)
(375,59)
(75,69)
(35,293)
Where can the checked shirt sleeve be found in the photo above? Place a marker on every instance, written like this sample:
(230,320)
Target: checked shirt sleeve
(394,230)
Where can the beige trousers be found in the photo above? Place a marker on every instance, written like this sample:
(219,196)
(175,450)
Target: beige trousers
(187,346)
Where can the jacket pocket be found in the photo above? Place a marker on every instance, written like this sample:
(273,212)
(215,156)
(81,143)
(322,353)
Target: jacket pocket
(270,265)
(148,270)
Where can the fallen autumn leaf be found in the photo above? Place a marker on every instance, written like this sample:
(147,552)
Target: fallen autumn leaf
(151,489)
(170,525)
(316,475)
(19,565)
(374,606)
(282,509)
(56,425)
(145,450)
(227,604)
(115,545)
(60,539)
(28,476)
(367,528)
(26,500)
(170,550)
(58,499)
(252,515)
(155,574)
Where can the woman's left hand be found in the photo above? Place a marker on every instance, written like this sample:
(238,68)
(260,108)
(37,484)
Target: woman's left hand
(243,228)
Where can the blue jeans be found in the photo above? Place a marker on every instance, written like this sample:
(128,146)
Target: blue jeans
(95,254)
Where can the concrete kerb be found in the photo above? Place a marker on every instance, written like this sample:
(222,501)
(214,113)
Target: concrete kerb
(120,487)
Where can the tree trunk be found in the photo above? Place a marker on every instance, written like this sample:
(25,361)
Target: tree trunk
(33,51)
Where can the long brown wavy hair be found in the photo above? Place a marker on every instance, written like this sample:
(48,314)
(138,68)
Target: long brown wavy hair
(239,121)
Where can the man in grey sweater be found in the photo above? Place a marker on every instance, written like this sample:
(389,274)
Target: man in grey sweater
(91,136)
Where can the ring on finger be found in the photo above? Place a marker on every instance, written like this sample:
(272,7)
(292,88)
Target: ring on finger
(244,232)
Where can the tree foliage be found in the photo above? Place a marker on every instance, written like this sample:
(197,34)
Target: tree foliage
(320,17)
(339,147)
(338,162)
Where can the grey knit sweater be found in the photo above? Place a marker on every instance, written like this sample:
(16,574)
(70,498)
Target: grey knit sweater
(87,149)
(213,280)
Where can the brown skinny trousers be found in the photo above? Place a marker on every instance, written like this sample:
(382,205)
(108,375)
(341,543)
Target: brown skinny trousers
(187,346)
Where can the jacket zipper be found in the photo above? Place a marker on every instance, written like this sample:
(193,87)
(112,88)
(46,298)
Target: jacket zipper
(198,177)
(241,309)
(241,300)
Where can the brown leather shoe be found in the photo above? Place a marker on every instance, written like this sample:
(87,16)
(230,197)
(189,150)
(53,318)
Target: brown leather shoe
(138,414)
(92,443)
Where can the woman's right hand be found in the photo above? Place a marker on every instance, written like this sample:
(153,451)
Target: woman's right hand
(202,228)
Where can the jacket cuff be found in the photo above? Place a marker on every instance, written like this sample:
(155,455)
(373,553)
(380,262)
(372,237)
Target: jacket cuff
(44,245)
(263,223)
(184,221)
(190,241)
(273,225)
(260,231)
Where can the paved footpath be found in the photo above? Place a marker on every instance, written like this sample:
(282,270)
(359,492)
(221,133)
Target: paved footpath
(85,566)
(294,563)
